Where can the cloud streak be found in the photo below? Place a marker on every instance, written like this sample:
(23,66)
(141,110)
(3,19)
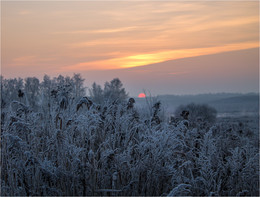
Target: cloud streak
(151,58)
(99,31)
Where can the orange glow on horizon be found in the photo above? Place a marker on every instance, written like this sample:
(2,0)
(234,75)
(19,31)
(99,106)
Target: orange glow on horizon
(141,95)
(157,57)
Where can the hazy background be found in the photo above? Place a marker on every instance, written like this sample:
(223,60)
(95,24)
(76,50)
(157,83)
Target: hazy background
(165,47)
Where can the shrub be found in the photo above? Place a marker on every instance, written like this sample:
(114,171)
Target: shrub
(197,113)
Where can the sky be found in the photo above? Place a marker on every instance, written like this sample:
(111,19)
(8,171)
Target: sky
(142,43)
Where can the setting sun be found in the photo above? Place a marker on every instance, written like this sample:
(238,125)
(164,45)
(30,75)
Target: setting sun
(141,95)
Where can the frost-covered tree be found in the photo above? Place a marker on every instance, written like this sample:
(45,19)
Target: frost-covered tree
(32,91)
(78,86)
(46,88)
(114,91)
(10,89)
(96,93)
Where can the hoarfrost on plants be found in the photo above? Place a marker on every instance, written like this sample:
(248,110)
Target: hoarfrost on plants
(57,141)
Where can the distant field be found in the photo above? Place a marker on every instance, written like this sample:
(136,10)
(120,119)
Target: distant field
(227,104)
(250,124)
